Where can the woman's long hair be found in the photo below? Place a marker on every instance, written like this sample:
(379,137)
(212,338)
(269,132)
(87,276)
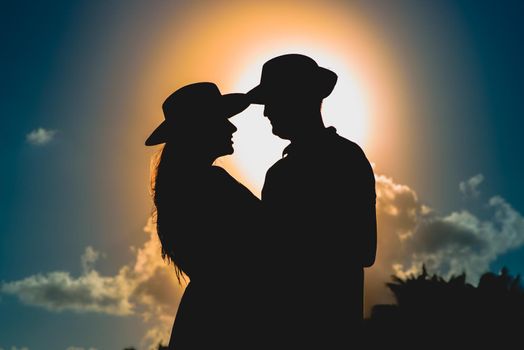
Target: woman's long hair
(163,175)
(170,185)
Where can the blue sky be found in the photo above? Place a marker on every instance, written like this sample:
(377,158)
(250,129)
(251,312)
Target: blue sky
(69,68)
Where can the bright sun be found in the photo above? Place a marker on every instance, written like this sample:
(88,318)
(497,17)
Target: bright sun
(256,148)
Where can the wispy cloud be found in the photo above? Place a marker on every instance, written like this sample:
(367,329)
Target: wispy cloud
(146,287)
(89,258)
(469,188)
(40,136)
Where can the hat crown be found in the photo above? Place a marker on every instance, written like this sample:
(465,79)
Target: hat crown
(293,77)
(289,69)
(195,105)
(293,61)
(192,98)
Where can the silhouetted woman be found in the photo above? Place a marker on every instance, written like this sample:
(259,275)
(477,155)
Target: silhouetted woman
(205,219)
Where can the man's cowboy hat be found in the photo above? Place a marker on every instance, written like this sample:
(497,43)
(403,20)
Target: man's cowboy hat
(292,75)
(191,106)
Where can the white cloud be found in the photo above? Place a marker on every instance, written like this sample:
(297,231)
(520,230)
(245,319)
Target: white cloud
(89,258)
(410,234)
(59,291)
(146,287)
(469,188)
(40,136)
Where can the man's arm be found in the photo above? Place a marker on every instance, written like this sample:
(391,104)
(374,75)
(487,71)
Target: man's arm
(368,230)
(354,199)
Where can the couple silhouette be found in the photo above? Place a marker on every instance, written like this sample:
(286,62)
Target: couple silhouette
(283,272)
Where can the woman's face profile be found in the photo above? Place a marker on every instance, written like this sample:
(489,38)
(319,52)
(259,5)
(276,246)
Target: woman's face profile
(219,136)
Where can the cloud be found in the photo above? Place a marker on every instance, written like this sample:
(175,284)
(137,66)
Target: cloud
(146,287)
(59,291)
(469,188)
(88,259)
(411,234)
(40,136)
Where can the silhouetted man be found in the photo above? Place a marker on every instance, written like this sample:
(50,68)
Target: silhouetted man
(320,203)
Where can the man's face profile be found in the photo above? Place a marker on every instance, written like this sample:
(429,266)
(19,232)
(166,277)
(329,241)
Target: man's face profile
(281,114)
(287,114)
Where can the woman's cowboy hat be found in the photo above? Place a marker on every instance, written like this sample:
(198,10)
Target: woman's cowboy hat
(191,106)
(292,75)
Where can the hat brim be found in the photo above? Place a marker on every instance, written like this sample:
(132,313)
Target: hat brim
(257,95)
(233,104)
(159,135)
(325,83)
(229,106)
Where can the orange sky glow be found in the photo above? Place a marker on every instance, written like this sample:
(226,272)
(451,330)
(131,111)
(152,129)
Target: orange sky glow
(228,42)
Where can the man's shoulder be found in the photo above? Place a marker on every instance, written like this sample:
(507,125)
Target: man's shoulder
(334,145)
(342,148)
(345,145)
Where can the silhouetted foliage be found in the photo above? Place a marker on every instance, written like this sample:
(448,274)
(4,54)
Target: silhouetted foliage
(432,310)
(430,307)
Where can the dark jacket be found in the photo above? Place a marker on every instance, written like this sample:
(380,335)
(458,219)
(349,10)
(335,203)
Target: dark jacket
(320,202)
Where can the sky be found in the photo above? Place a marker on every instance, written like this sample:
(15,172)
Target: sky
(431,91)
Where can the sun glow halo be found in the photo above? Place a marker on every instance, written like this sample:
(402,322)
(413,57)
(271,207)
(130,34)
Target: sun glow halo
(227,42)
(347,109)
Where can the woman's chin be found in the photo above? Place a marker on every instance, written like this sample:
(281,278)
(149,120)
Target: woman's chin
(226,151)
(231,150)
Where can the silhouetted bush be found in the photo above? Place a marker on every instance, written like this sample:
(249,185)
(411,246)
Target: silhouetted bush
(429,307)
